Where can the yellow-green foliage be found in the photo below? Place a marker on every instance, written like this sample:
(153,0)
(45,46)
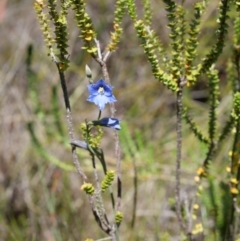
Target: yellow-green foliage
(237,33)
(148,44)
(85,25)
(107,181)
(214,101)
(59,52)
(235,154)
(147,12)
(236,111)
(44,22)
(118,217)
(192,71)
(176,24)
(194,128)
(132,10)
(61,35)
(220,36)
(115,36)
(88,188)
(92,138)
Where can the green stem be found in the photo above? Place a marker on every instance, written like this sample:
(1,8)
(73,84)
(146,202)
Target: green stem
(99,115)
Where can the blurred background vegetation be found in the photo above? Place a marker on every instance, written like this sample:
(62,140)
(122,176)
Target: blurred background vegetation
(40,196)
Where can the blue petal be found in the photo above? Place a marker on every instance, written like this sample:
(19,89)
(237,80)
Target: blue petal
(112,121)
(91,98)
(104,121)
(112,99)
(109,122)
(92,89)
(101,101)
(100,82)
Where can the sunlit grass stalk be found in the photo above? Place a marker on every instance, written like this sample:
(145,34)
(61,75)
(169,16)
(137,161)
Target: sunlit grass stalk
(43,153)
(135,184)
(56,111)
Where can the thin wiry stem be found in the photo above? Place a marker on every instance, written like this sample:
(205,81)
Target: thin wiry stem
(102,62)
(70,124)
(74,152)
(100,156)
(64,89)
(99,115)
(98,49)
(118,167)
(179,155)
(101,211)
(106,56)
(98,197)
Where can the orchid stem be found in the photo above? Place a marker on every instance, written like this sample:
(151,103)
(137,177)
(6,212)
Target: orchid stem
(99,115)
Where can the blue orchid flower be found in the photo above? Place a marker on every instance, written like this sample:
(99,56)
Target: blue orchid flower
(101,94)
(108,122)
